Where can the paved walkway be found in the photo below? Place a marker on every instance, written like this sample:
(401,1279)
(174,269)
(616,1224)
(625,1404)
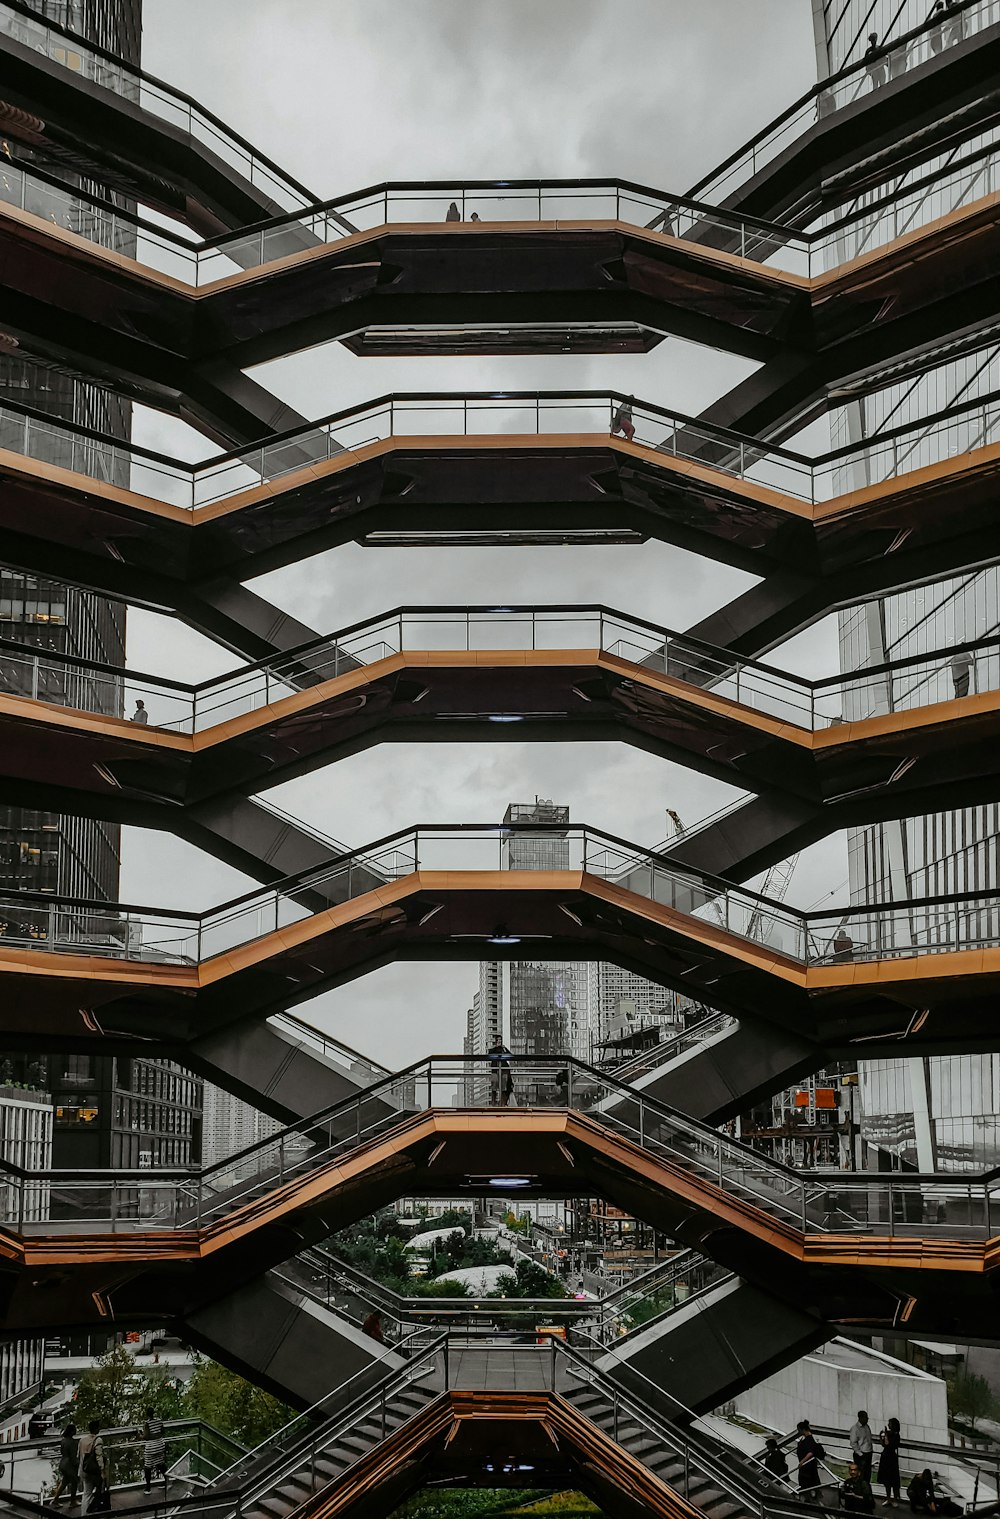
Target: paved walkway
(517,1368)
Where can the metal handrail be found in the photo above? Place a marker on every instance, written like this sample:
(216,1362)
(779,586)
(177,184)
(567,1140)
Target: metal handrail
(758,448)
(377,1296)
(603,854)
(696,1451)
(172,92)
(291,667)
(756,238)
(814,95)
(814,1202)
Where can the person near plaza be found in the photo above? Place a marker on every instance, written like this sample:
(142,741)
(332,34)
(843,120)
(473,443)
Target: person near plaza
(960,666)
(924,1499)
(888,1461)
(622,422)
(774,1460)
(862,1444)
(68,1468)
(154,1451)
(856,1491)
(92,1468)
(140,715)
(808,1454)
(453,214)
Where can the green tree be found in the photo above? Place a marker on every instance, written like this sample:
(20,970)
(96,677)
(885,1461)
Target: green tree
(117,1393)
(233,1405)
(442,1288)
(971,1397)
(392,1261)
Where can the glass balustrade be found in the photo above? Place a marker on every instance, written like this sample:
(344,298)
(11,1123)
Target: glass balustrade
(718,233)
(715,678)
(79,57)
(267,1176)
(336,1285)
(922,45)
(502,201)
(849,935)
(592,416)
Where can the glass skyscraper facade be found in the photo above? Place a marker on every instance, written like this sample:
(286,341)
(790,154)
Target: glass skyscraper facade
(932,1114)
(106,1111)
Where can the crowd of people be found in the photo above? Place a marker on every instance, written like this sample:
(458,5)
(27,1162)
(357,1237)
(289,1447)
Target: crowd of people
(84,1464)
(856,1492)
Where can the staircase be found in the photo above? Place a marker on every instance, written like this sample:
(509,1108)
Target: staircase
(325,1465)
(316,1449)
(720,1483)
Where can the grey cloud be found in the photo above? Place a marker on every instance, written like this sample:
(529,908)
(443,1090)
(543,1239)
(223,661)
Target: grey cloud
(344,93)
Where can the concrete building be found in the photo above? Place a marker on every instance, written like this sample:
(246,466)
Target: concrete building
(828,1387)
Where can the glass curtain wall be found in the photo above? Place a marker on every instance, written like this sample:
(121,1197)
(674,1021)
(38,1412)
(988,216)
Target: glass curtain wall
(925,1113)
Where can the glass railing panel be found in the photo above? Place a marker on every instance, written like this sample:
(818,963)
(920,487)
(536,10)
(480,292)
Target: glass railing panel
(909,929)
(882,459)
(110,694)
(963,188)
(118,77)
(838,93)
(103,932)
(252,920)
(740,457)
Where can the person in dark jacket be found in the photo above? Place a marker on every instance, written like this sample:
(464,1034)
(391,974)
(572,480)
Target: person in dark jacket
(774,1460)
(924,1500)
(888,1461)
(875,59)
(622,422)
(808,1454)
(372,1326)
(69,1466)
(856,1491)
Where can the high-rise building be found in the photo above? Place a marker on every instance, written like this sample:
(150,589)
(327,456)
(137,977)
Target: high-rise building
(932,1114)
(86,1100)
(549,1001)
(565,1007)
(26,1141)
(106,1111)
(230,1125)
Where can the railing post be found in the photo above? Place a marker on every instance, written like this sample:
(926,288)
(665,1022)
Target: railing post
(430,1085)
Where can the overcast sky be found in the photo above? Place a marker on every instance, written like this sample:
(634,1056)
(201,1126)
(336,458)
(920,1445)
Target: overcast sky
(346,93)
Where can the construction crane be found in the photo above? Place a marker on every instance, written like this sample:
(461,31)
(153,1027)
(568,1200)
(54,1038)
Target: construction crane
(775,887)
